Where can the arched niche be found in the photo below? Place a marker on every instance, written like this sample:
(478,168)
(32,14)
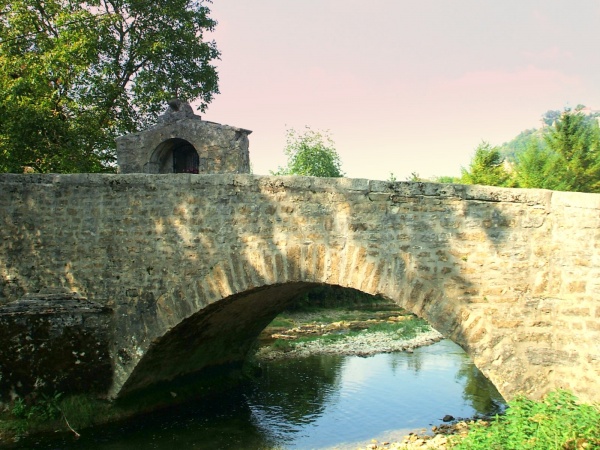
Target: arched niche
(175,156)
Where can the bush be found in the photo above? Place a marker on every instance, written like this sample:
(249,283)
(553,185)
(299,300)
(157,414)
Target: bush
(557,422)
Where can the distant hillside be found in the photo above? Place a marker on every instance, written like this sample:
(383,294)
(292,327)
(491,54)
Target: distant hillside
(509,150)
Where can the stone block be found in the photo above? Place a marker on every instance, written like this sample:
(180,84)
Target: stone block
(547,357)
(593,325)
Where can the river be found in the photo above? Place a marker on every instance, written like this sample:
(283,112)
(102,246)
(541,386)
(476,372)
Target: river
(319,402)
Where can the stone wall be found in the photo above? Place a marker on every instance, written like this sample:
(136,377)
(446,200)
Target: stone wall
(510,275)
(54,342)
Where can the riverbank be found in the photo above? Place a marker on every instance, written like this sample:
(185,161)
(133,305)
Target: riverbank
(437,438)
(559,421)
(360,333)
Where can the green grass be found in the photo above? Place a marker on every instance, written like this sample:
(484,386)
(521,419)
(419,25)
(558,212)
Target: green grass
(21,417)
(83,411)
(406,329)
(320,314)
(56,413)
(557,422)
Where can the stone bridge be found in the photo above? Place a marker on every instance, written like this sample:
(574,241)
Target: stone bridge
(192,267)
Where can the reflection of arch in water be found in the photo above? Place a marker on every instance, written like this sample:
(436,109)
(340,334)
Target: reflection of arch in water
(175,156)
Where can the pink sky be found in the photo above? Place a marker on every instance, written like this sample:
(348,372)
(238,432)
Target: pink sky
(402,86)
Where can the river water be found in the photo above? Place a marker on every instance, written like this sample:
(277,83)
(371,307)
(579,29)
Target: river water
(319,402)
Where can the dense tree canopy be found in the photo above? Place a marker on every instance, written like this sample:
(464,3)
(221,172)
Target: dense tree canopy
(311,153)
(74,75)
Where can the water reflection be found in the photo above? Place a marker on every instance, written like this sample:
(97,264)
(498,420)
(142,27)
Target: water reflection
(315,402)
(369,397)
(292,394)
(476,393)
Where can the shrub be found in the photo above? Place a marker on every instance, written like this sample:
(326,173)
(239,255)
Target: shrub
(557,422)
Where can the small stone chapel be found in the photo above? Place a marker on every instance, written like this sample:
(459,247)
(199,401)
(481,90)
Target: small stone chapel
(181,142)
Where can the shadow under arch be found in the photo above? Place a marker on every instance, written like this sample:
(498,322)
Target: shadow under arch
(175,155)
(214,342)
(217,336)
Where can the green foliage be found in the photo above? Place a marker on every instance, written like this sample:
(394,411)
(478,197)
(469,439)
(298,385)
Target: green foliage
(486,168)
(51,413)
(24,416)
(564,156)
(575,141)
(84,411)
(74,75)
(44,409)
(534,167)
(311,153)
(558,422)
(511,149)
(405,329)
(446,179)
(283,345)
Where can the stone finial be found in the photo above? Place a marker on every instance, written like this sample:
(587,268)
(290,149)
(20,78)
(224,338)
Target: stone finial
(178,110)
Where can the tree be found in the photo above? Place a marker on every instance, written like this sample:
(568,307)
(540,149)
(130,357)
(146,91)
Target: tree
(486,168)
(74,75)
(533,168)
(311,153)
(575,141)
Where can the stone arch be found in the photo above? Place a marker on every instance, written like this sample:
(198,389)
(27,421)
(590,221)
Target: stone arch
(175,155)
(242,297)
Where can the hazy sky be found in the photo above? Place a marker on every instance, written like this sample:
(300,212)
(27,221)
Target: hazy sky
(403,86)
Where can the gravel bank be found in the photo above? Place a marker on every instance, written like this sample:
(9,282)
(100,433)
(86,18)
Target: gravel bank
(365,344)
(439,440)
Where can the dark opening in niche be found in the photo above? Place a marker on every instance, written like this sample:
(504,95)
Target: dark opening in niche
(185,159)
